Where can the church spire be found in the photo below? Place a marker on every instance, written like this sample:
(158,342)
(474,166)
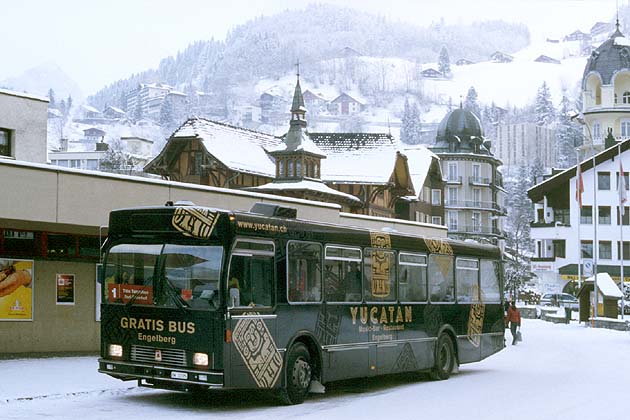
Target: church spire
(298,110)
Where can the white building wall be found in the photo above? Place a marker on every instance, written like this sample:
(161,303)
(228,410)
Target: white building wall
(26,117)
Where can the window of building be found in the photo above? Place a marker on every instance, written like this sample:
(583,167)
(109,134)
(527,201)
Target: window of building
(5,142)
(586,215)
(281,168)
(452,171)
(559,248)
(626,215)
(316,171)
(476,197)
(605,250)
(587,249)
(436,220)
(626,97)
(92,164)
(290,173)
(304,272)
(436,197)
(625,128)
(603,181)
(298,168)
(452,196)
(476,221)
(604,215)
(597,131)
(452,220)
(21,243)
(476,170)
(61,246)
(562,216)
(412,277)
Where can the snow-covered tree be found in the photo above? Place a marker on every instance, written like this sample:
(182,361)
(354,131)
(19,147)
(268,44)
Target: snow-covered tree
(444,62)
(68,105)
(568,135)
(51,98)
(536,172)
(411,128)
(490,119)
(138,113)
(470,103)
(543,107)
(167,119)
(116,160)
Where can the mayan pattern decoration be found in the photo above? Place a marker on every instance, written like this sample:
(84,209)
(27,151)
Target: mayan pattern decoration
(475,323)
(327,327)
(258,350)
(406,360)
(381,264)
(195,222)
(438,246)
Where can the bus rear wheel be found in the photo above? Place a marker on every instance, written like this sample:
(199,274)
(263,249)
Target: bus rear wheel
(444,358)
(299,374)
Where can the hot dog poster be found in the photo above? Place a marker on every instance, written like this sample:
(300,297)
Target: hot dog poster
(16,290)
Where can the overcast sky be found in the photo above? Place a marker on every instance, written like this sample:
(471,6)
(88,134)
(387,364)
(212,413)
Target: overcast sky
(98,42)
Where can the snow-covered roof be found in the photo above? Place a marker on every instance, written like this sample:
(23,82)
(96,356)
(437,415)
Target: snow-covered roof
(622,41)
(305,144)
(606,285)
(117,110)
(237,148)
(90,109)
(419,160)
(367,158)
(24,95)
(304,185)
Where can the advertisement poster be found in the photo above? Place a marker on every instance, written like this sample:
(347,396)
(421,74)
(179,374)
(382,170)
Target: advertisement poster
(16,289)
(65,289)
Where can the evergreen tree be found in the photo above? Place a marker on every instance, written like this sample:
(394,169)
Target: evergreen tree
(568,136)
(116,160)
(536,172)
(68,105)
(62,108)
(444,62)
(470,103)
(51,98)
(411,128)
(543,107)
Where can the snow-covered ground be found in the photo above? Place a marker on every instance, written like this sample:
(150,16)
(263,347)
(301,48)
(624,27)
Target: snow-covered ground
(559,372)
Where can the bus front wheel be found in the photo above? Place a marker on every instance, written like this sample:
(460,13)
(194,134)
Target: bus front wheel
(444,358)
(299,374)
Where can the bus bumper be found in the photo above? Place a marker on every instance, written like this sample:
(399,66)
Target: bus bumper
(160,376)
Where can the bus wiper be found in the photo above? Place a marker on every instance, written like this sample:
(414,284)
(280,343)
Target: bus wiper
(174,295)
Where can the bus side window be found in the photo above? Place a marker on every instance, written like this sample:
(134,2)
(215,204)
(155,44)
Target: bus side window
(252,273)
(490,281)
(440,274)
(304,272)
(412,278)
(342,274)
(467,280)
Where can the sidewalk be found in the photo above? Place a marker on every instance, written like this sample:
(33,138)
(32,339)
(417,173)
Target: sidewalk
(32,378)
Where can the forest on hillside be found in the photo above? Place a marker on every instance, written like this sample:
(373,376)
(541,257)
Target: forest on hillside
(268,47)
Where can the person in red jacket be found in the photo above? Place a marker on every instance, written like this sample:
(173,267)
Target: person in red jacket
(514,318)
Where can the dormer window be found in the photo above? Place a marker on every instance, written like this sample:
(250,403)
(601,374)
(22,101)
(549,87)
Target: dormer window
(281,167)
(291,174)
(298,168)
(626,97)
(316,171)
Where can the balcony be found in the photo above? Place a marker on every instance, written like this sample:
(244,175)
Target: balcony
(476,205)
(549,224)
(476,229)
(479,182)
(455,180)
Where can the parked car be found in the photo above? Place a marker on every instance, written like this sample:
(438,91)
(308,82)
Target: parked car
(560,299)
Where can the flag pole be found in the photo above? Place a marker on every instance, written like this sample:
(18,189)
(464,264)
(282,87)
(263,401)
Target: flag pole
(579,187)
(595,217)
(622,211)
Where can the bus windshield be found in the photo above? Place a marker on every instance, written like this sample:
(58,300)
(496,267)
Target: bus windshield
(170,275)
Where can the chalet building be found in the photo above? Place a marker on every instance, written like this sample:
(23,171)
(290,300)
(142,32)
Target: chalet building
(113,113)
(273,105)
(314,102)
(366,173)
(431,74)
(146,100)
(606,94)
(345,104)
(23,126)
(474,194)
(546,59)
(577,36)
(94,134)
(559,245)
(500,57)
(522,143)
(88,112)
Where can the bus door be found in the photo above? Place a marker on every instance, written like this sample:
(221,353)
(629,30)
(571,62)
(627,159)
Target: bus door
(385,316)
(252,356)
(343,323)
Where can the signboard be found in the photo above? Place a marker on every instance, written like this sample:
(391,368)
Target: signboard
(587,267)
(139,294)
(16,290)
(65,289)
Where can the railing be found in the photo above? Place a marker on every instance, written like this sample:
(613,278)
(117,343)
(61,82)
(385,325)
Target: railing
(473,180)
(555,223)
(473,204)
(454,180)
(485,230)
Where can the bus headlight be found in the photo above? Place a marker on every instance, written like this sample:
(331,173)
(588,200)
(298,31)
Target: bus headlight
(115,350)
(200,359)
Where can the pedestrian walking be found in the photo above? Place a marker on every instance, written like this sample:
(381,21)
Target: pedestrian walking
(513,317)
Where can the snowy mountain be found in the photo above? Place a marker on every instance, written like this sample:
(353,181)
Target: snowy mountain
(38,80)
